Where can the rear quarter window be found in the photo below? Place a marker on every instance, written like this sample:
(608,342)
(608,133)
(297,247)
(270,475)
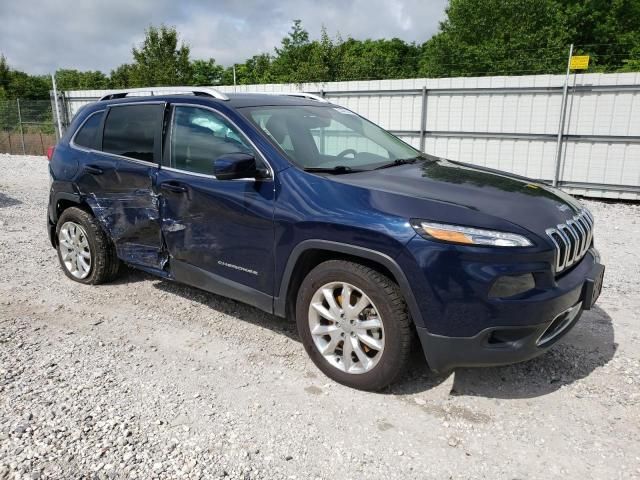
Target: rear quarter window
(133,130)
(87,135)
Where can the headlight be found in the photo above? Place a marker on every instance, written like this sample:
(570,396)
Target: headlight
(469,235)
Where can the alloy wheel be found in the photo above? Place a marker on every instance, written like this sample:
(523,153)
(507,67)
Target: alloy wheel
(346,327)
(74,250)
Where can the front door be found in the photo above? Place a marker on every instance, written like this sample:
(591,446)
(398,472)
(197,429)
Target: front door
(219,233)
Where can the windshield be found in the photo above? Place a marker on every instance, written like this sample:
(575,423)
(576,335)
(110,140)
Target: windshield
(326,137)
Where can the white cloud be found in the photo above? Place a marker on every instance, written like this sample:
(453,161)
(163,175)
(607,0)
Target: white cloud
(50,34)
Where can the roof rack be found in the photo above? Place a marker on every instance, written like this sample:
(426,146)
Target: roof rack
(311,96)
(198,91)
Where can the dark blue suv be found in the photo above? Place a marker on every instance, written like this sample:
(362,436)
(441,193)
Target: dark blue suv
(306,210)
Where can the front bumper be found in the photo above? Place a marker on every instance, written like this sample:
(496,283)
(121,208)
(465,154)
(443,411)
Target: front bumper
(496,345)
(473,330)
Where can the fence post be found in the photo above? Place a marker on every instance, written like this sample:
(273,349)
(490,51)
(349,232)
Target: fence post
(65,111)
(55,103)
(563,113)
(24,152)
(234,77)
(423,118)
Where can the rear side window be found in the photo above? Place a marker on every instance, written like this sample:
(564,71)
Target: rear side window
(133,131)
(87,135)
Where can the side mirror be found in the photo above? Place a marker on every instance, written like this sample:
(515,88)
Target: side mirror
(235,165)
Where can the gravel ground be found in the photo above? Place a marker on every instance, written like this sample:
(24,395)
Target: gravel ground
(145,378)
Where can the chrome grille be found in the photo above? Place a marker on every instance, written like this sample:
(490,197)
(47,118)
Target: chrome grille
(572,239)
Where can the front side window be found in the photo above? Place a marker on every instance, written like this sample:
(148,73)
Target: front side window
(199,136)
(133,130)
(329,137)
(87,135)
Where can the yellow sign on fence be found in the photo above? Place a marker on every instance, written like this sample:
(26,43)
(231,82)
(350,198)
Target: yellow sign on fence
(579,62)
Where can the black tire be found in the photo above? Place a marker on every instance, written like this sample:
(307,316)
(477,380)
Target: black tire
(392,309)
(105,264)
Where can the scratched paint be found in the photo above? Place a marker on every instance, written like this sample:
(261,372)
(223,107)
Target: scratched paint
(172,226)
(132,221)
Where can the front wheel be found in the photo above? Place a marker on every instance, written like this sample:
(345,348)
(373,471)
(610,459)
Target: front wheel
(354,324)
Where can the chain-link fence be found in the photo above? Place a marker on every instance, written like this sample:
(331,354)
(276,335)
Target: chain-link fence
(26,126)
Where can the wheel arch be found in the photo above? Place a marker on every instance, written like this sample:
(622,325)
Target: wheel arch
(310,253)
(61,202)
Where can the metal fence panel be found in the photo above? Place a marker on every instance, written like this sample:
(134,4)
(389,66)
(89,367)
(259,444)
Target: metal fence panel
(508,123)
(26,126)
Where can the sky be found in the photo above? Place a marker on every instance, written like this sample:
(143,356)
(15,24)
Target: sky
(40,36)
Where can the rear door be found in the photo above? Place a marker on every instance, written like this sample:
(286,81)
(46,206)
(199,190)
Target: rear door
(97,176)
(127,204)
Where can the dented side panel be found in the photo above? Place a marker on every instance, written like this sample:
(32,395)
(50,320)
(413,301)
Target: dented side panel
(124,201)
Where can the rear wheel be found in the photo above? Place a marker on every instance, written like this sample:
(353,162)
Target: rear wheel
(354,324)
(85,252)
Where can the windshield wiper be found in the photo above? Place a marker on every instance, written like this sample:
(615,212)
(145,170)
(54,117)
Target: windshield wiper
(337,169)
(399,161)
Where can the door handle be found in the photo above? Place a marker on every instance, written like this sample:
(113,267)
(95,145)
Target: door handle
(173,187)
(93,170)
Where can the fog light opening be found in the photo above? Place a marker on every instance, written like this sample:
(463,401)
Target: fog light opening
(508,336)
(511,285)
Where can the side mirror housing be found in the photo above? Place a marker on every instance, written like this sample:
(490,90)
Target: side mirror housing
(235,165)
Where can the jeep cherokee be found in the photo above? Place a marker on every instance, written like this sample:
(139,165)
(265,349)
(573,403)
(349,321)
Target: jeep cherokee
(304,209)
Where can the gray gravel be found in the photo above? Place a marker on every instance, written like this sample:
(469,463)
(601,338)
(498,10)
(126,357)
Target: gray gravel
(145,378)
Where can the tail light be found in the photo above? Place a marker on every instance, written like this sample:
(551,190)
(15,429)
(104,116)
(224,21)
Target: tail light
(50,151)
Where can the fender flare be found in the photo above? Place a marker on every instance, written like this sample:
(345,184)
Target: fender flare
(52,219)
(279,303)
(71,197)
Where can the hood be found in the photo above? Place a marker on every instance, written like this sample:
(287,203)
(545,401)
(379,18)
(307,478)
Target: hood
(480,192)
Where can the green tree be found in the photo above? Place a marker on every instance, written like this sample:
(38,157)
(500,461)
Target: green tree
(67,79)
(16,84)
(323,64)
(121,76)
(23,85)
(290,63)
(631,64)
(376,59)
(608,31)
(298,37)
(532,36)
(257,69)
(159,60)
(206,72)
(300,60)
(477,37)
(497,36)
(4,77)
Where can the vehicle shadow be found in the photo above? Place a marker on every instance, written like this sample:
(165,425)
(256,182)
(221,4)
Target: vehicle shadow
(589,345)
(241,311)
(7,201)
